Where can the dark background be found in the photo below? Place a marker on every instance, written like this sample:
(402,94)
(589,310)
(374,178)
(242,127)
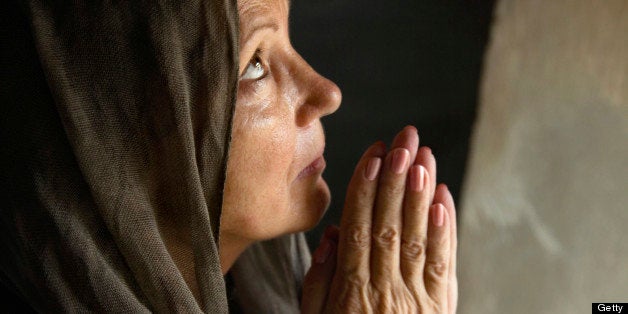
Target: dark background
(397,63)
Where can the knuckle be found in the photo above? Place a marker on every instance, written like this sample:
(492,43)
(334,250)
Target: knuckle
(355,280)
(360,199)
(386,237)
(357,235)
(391,188)
(412,249)
(439,242)
(436,269)
(362,193)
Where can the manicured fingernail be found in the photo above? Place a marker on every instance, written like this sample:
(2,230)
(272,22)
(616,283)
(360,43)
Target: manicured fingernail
(438,214)
(372,168)
(400,160)
(417,178)
(322,253)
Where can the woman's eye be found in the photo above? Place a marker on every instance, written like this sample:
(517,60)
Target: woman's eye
(254,70)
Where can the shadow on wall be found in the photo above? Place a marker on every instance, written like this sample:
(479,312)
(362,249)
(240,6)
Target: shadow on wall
(397,63)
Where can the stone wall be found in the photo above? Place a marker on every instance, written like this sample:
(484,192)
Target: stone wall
(545,200)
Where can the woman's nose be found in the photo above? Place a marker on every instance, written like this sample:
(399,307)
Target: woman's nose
(319,95)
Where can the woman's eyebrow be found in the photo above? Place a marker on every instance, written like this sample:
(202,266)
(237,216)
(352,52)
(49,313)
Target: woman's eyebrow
(261,27)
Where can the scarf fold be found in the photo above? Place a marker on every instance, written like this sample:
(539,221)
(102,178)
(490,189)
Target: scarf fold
(116,125)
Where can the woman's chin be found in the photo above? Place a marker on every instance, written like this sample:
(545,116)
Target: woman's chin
(312,206)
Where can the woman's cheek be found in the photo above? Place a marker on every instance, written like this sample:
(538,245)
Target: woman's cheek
(256,103)
(264,144)
(267,124)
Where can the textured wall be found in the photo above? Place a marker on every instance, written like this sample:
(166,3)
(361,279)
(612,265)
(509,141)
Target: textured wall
(545,200)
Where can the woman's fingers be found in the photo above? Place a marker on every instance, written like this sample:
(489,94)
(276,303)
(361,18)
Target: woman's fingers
(391,236)
(407,138)
(444,197)
(318,279)
(426,158)
(438,255)
(415,224)
(419,197)
(355,228)
(387,222)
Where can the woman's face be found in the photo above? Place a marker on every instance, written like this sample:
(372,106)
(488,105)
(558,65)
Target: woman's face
(274,184)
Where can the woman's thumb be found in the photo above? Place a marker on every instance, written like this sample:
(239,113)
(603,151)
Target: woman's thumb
(318,279)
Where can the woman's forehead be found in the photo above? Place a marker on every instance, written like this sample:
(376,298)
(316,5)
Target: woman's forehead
(253,8)
(256,14)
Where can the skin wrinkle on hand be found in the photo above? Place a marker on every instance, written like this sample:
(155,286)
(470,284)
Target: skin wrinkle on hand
(382,213)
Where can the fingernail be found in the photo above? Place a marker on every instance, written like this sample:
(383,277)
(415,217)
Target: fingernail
(417,178)
(322,253)
(438,214)
(400,160)
(372,168)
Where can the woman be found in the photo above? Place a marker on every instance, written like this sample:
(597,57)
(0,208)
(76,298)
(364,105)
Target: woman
(118,164)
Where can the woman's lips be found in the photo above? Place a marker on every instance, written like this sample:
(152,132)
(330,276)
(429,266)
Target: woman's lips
(317,166)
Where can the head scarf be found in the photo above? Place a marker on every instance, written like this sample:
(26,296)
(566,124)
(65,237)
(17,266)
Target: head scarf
(116,125)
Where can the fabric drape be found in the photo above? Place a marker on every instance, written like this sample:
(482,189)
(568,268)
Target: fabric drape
(115,125)
(115,130)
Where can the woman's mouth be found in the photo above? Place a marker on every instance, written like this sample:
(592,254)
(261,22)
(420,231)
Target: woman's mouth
(317,166)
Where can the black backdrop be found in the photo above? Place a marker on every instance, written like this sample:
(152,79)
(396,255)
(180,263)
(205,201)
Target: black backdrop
(397,63)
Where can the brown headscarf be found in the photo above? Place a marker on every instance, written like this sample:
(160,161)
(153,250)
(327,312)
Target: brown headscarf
(115,135)
(116,129)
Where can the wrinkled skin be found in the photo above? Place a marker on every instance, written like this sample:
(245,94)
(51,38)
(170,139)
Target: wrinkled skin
(276,134)
(395,248)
